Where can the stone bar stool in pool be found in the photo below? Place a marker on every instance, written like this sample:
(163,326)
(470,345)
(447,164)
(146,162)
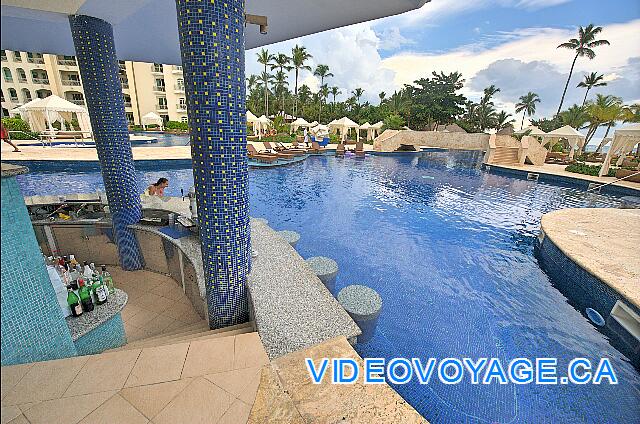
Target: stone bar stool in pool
(326,269)
(364,305)
(291,237)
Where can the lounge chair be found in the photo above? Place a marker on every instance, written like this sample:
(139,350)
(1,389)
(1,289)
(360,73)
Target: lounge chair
(252,150)
(360,149)
(315,148)
(253,154)
(282,148)
(280,153)
(340,150)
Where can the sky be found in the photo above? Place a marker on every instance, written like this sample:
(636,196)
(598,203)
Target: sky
(509,43)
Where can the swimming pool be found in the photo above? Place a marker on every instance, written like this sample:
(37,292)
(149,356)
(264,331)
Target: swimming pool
(450,248)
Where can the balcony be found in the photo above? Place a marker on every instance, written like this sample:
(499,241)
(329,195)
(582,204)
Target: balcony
(162,107)
(179,88)
(127,104)
(44,81)
(3,58)
(157,69)
(79,102)
(17,58)
(67,62)
(124,84)
(177,69)
(160,88)
(22,79)
(181,107)
(36,60)
(8,79)
(14,99)
(74,83)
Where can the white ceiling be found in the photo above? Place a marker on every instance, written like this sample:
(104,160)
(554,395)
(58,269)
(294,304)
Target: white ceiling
(146,30)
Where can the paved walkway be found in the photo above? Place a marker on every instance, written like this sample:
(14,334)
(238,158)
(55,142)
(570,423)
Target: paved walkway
(605,242)
(554,169)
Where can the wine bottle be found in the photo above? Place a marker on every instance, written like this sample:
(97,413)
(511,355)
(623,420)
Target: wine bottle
(74,303)
(85,296)
(100,291)
(107,280)
(87,272)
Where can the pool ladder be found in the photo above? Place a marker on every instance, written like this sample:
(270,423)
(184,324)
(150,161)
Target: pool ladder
(532,176)
(597,186)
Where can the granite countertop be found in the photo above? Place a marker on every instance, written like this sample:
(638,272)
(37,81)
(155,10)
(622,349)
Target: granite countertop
(190,246)
(79,221)
(80,326)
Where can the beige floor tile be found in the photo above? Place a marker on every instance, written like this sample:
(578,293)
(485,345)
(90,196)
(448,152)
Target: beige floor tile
(175,326)
(152,398)
(129,311)
(248,395)
(143,317)
(238,413)
(158,324)
(45,380)
(182,311)
(107,371)
(11,375)
(208,357)
(68,410)
(249,351)
(9,413)
(20,419)
(234,381)
(201,402)
(158,364)
(174,293)
(135,333)
(25,406)
(115,411)
(152,302)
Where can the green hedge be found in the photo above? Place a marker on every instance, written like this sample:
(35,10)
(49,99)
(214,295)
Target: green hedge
(280,138)
(177,125)
(594,170)
(17,124)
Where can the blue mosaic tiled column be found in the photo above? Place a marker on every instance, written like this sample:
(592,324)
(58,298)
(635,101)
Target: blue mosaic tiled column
(212,47)
(33,328)
(96,55)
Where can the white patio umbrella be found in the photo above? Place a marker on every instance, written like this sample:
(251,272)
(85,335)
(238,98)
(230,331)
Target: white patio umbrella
(624,140)
(152,118)
(42,113)
(342,127)
(300,122)
(575,138)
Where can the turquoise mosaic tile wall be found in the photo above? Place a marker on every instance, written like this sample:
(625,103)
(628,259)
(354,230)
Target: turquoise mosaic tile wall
(212,50)
(96,55)
(109,335)
(33,328)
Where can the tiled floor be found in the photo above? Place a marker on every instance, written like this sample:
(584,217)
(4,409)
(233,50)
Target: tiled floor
(159,385)
(156,304)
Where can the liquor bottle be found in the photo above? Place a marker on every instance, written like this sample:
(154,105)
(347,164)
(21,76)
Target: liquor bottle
(85,296)
(100,291)
(107,280)
(74,303)
(73,278)
(87,272)
(72,261)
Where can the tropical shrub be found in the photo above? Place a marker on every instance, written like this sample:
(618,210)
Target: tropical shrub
(17,124)
(393,122)
(594,170)
(177,125)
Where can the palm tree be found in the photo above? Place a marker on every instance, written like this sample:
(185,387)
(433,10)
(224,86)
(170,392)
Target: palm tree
(265,59)
(503,120)
(600,112)
(334,92)
(322,71)
(304,94)
(281,62)
(382,96)
(591,80)
(527,105)
(265,79)
(583,45)
(299,56)
(281,84)
(357,93)
(576,116)
(323,93)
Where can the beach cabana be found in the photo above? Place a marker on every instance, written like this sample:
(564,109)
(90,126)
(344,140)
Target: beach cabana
(342,126)
(299,122)
(369,129)
(624,141)
(319,131)
(261,125)
(42,113)
(535,131)
(377,127)
(152,118)
(251,120)
(575,138)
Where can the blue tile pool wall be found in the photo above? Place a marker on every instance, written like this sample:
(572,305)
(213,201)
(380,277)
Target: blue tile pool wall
(33,328)
(109,335)
(584,290)
(212,48)
(95,52)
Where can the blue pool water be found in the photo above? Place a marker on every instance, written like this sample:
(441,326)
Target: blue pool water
(450,248)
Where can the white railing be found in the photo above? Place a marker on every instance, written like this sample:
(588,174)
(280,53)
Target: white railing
(14,99)
(36,60)
(67,62)
(127,104)
(181,106)
(159,88)
(74,83)
(77,102)
(177,69)
(157,69)
(44,81)
(162,107)
(22,79)
(179,87)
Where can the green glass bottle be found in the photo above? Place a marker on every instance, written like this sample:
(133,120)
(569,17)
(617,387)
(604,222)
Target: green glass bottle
(107,280)
(74,303)
(85,296)
(100,291)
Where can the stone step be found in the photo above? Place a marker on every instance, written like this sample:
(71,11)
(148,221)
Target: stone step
(191,335)
(198,327)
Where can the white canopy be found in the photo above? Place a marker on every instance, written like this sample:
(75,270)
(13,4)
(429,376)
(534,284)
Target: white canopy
(573,136)
(261,124)
(152,118)
(535,131)
(342,126)
(378,125)
(320,131)
(624,140)
(313,123)
(42,113)
(251,118)
(371,131)
(300,122)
